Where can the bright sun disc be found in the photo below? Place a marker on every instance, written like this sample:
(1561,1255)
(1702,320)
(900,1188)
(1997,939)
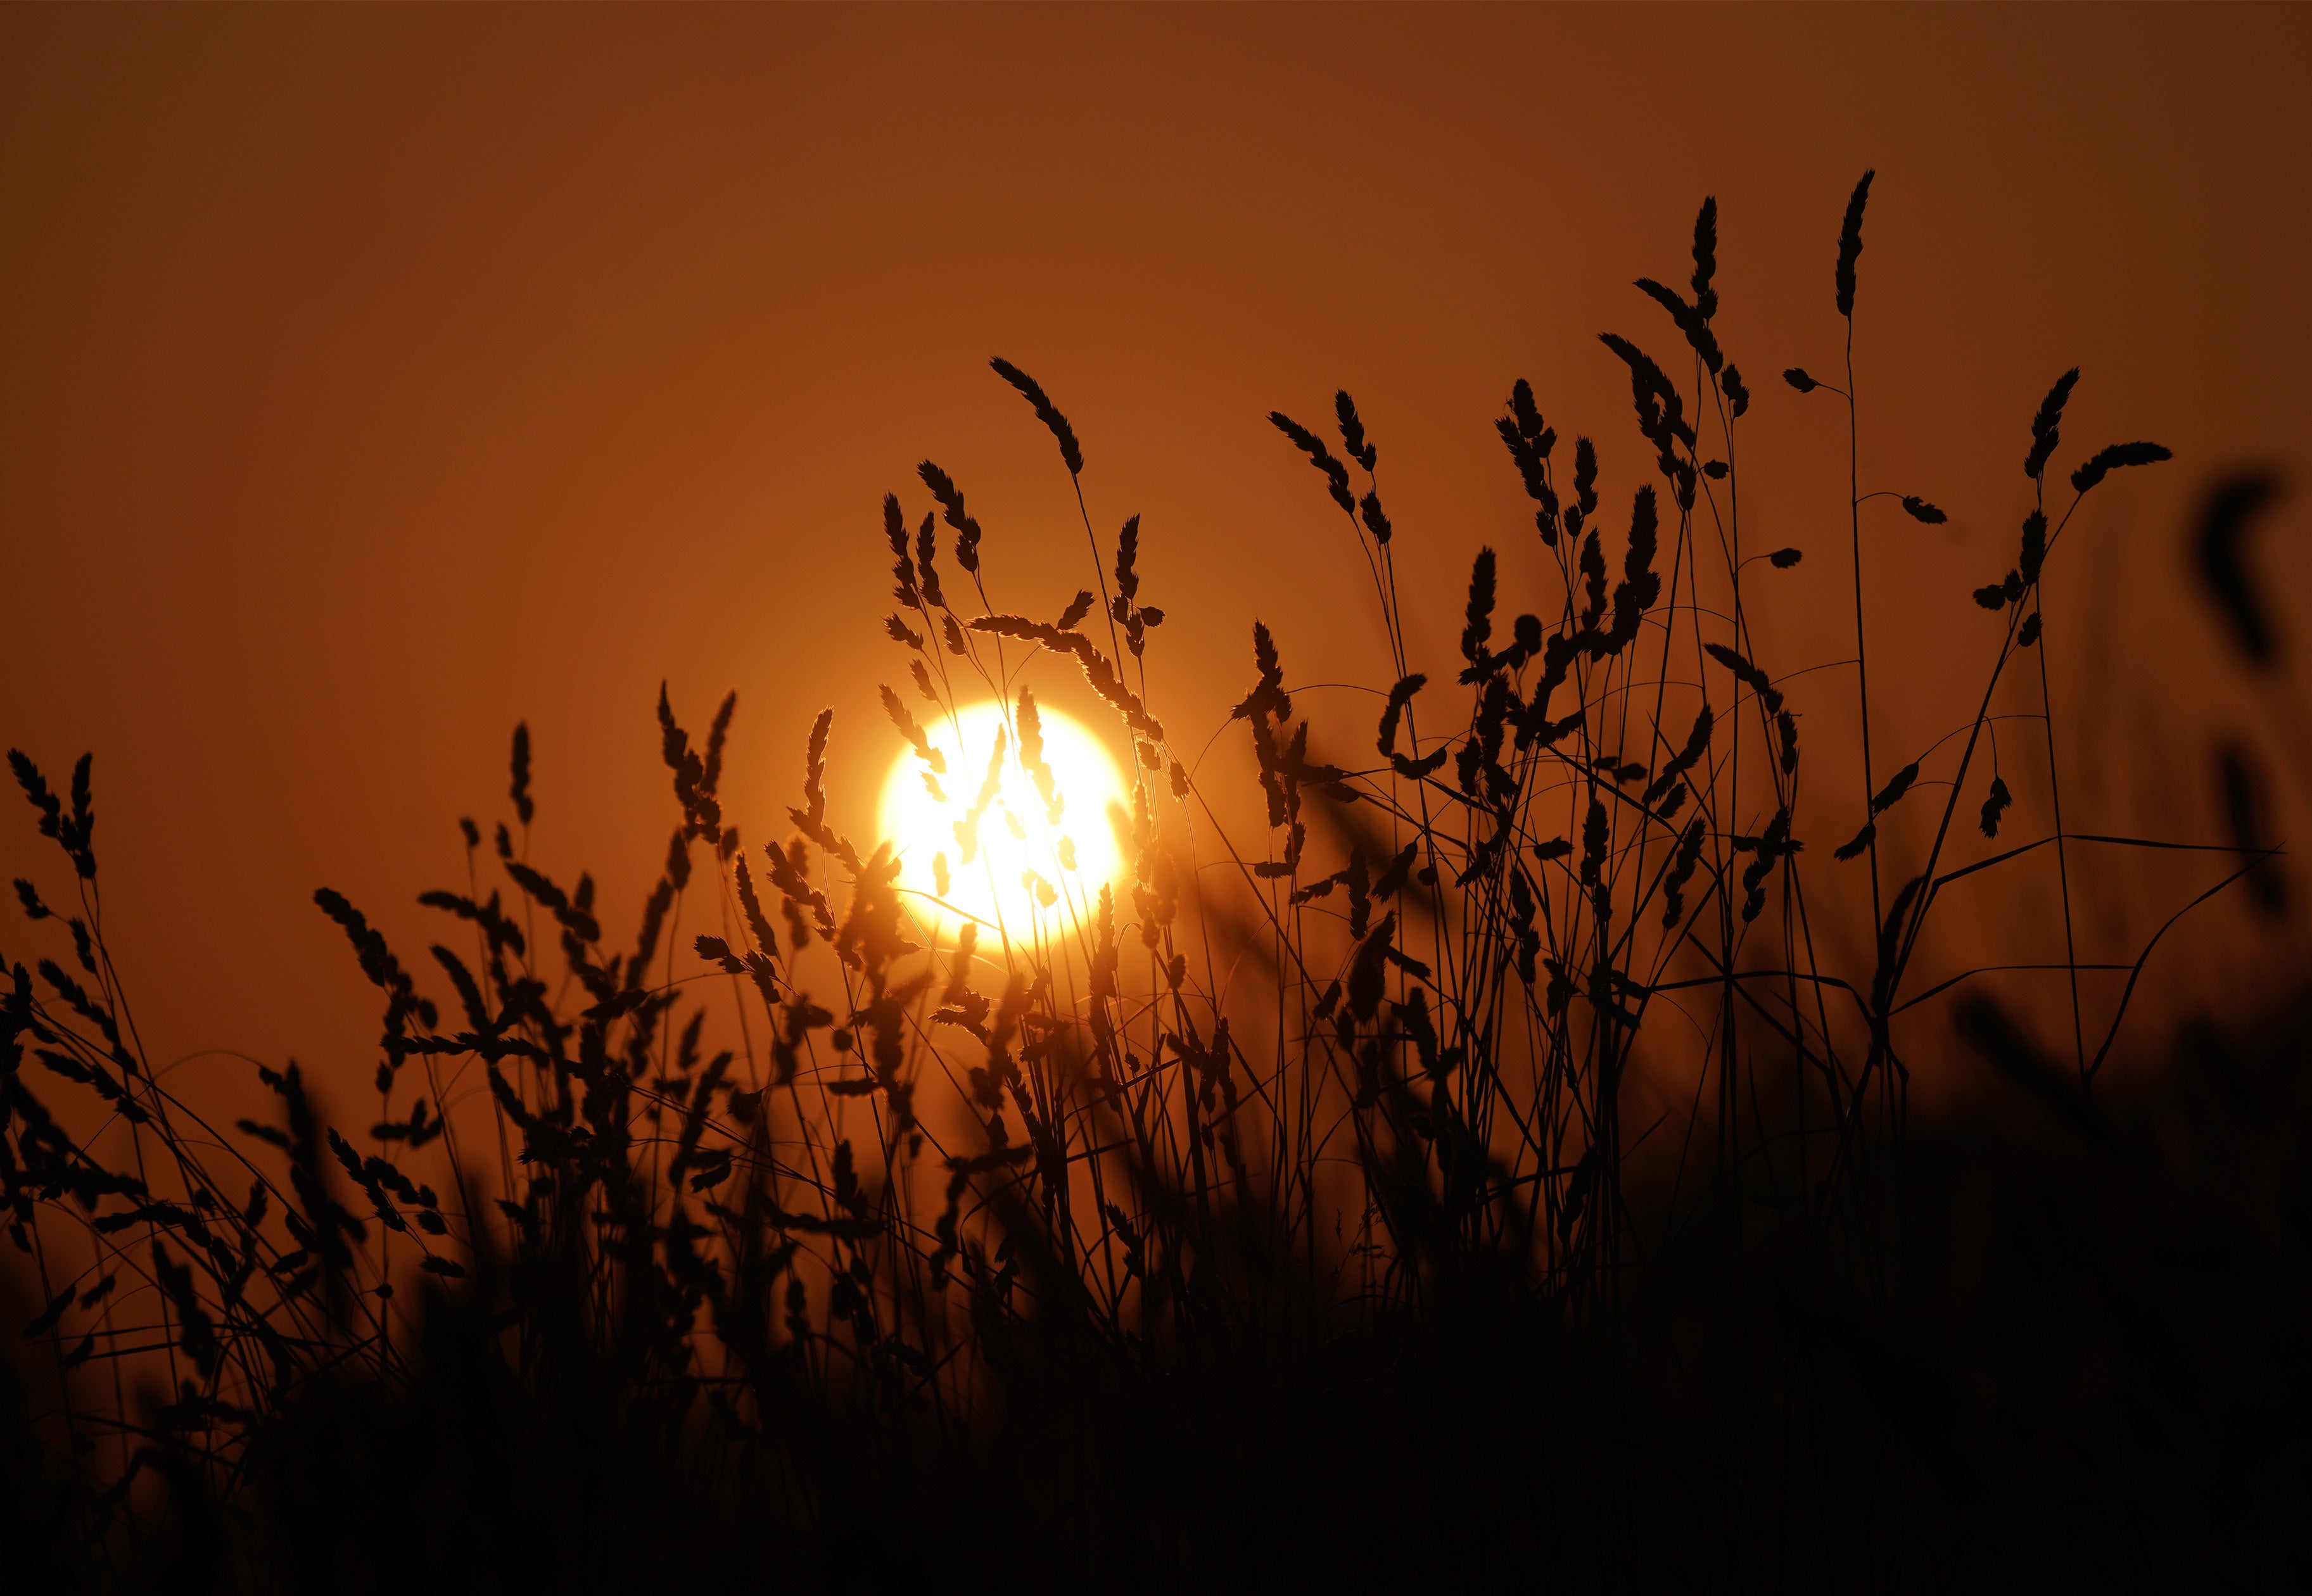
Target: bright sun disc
(1023,858)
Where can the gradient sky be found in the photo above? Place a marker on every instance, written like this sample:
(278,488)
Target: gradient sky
(372,378)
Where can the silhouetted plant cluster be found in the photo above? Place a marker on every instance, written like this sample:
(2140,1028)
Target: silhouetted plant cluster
(1267,1212)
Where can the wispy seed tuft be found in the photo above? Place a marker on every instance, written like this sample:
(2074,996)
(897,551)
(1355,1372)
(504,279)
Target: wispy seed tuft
(523,806)
(1353,431)
(1045,412)
(1336,475)
(2104,461)
(1849,243)
(2044,426)
(1995,805)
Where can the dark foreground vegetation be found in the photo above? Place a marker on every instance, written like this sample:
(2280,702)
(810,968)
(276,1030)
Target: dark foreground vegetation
(1275,1215)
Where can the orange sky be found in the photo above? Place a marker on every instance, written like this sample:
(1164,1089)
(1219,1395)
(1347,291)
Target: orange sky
(373,378)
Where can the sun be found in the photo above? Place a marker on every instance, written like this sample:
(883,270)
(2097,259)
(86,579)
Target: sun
(1035,865)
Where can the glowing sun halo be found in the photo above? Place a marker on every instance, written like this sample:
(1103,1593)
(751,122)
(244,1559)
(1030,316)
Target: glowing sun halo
(1016,835)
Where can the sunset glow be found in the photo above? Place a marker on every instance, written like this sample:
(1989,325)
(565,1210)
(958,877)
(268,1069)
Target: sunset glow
(1022,856)
(1155,798)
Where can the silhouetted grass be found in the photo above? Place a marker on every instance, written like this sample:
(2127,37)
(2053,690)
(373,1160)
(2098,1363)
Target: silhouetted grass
(1268,1214)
